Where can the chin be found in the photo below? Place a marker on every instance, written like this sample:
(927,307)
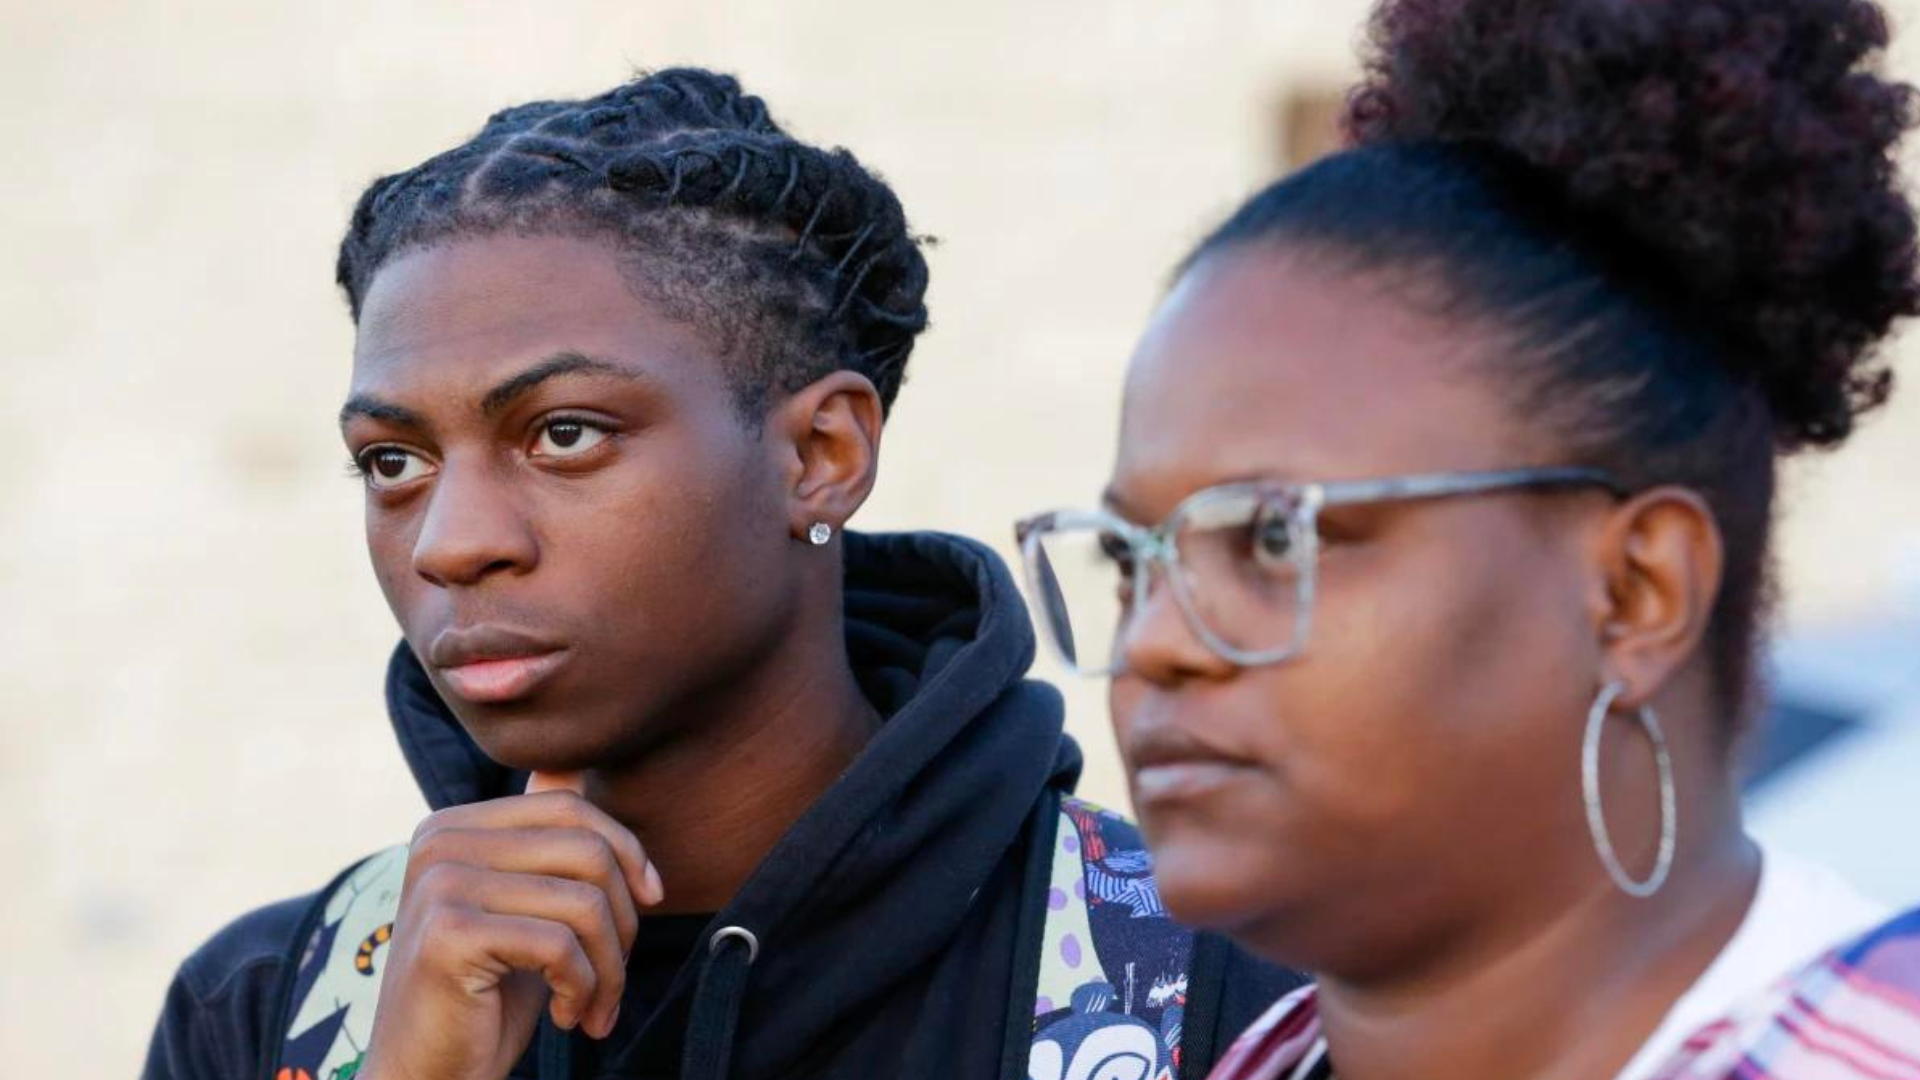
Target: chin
(1205,883)
(545,737)
(1242,890)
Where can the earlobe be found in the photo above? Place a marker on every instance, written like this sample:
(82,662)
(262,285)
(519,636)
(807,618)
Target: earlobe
(1662,554)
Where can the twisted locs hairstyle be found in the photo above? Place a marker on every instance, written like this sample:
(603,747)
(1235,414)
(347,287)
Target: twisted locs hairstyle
(1685,214)
(795,261)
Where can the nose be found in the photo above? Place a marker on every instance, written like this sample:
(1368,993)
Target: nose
(472,530)
(1158,643)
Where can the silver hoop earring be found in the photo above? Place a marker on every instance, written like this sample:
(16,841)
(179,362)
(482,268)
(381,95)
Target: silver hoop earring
(1596,813)
(819,534)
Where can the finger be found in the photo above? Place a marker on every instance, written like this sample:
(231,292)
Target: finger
(556,809)
(581,907)
(453,857)
(471,942)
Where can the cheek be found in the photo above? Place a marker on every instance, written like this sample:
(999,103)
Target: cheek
(675,549)
(1415,742)
(1123,697)
(1432,702)
(390,541)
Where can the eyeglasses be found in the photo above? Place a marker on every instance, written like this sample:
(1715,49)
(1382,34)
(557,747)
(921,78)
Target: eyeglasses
(1241,560)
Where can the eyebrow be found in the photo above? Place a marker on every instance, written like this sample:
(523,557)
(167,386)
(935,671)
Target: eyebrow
(1114,501)
(496,399)
(1111,499)
(374,408)
(563,363)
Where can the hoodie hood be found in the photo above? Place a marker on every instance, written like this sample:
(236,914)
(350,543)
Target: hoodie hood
(878,877)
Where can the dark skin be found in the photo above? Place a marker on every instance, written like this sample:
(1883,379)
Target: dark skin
(1399,808)
(604,570)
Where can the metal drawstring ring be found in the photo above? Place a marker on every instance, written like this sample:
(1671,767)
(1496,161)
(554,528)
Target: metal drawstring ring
(721,935)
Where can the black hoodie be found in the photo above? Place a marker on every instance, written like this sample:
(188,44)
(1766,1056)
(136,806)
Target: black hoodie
(890,918)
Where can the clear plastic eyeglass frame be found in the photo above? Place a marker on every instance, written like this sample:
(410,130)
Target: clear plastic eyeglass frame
(1294,506)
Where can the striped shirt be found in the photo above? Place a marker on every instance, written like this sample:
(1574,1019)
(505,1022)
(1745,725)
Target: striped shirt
(1852,1014)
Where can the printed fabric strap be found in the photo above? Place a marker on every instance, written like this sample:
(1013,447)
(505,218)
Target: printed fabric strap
(1113,964)
(336,984)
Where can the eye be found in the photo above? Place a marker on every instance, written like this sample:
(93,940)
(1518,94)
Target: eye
(563,437)
(390,466)
(1118,552)
(1273,539)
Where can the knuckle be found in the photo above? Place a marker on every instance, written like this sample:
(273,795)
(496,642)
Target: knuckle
(587,848)
(437,882)
(583,970)
(429,846)
(582,902)
(444,930)
(626,920)
(569,808)
(556,944)
(429,825)
(607,866)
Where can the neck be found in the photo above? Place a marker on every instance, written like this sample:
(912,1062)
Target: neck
(710,804)
(1568,996)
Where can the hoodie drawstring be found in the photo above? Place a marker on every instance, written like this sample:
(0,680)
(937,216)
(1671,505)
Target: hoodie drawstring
(716,1003)
(554,1058)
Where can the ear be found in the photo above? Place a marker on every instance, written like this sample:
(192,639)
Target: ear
(1660,555)
(830,435)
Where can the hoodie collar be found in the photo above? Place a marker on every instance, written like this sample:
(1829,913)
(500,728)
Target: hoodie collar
(930,618)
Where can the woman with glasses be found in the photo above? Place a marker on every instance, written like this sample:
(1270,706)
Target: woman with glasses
(1435,559)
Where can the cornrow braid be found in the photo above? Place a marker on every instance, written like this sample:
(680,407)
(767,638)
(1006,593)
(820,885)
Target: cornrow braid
(796,261)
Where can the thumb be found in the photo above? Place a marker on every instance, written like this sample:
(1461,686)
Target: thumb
(575,781)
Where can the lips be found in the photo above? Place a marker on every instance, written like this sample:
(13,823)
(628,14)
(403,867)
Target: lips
(1183,780)
(491,664)
(1169,765)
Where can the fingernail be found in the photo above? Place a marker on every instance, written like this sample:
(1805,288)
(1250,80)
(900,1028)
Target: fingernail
(655,888)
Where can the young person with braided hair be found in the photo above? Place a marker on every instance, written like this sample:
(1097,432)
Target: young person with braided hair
(1434,562)
(719,789)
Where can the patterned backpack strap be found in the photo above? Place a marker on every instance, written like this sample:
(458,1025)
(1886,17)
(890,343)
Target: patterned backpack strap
(336,984)
(1113,965)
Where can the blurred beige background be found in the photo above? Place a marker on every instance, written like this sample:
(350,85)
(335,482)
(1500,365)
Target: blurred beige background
(191,647)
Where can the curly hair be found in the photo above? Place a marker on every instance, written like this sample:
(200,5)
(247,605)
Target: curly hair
(1684,215)
(1734,140)
(795,261)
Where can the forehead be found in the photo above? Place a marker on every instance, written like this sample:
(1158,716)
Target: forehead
(474,309)
(1269,364)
